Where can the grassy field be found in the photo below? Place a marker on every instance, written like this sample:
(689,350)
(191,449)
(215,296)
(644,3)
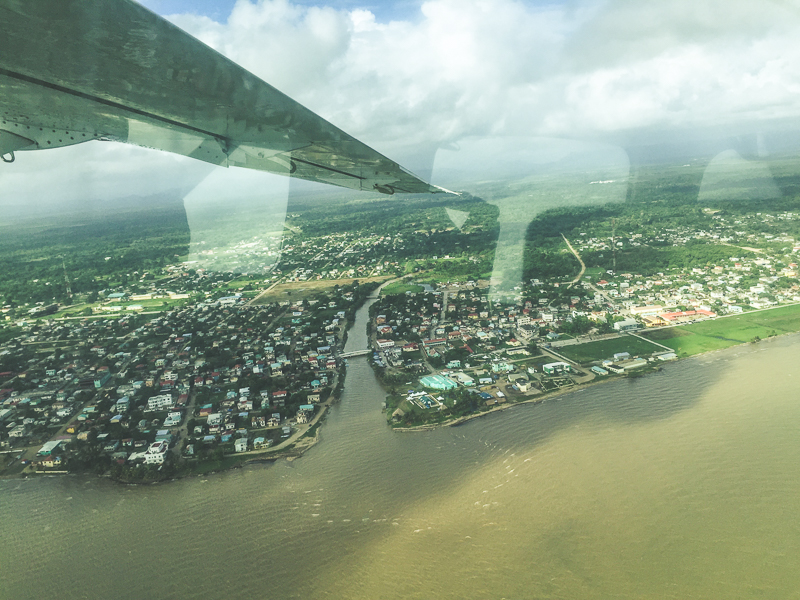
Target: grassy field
(159,304)
(531,361)
(401,288)
(595,273)
(605,349)
(729,331)
(243,282)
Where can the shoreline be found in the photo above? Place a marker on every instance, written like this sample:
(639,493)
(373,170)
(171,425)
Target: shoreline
(539,399)
(576,388)
(297,447)
(290,449)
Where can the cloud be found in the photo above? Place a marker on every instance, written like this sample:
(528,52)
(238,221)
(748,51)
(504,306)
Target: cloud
(466,68)
(578,69)
(82,177)
(447,73)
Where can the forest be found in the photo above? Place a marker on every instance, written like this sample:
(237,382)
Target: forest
(94,251)
(659,198)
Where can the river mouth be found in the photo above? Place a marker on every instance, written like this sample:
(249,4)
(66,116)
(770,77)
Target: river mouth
(675,484)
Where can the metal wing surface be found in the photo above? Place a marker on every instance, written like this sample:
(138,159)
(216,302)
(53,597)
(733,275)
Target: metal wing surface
(76,70)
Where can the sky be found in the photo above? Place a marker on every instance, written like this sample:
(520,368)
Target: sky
(411,75)
(220,9)
(446,69)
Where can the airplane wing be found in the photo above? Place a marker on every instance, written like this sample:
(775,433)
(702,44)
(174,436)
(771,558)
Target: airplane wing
(77,70)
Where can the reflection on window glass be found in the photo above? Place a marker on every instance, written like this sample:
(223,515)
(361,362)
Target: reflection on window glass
(278,256)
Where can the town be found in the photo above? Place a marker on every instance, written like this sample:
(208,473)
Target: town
(552,335)
(142,397)
(173,368)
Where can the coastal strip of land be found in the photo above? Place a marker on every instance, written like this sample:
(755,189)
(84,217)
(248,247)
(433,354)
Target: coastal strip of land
(670,343)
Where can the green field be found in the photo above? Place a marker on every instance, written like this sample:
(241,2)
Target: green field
(595,273)
(401,288)
(532,361)
(729,331)
(605,349)
(244,282)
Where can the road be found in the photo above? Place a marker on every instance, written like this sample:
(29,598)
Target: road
(667,348)
(263,293)
(583,270)
(580,260)
(603,293)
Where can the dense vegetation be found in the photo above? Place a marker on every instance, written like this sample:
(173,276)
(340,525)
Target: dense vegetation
(98,250)
(423,231)
(658,198)
(404,216)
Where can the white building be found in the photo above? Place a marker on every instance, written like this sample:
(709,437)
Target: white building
(156,453)
(173,418)
(19,431)
(160,402)
(646,311)
(49,448)
(556,367)
(626,325)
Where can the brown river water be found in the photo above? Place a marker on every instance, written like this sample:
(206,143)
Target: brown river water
(681,484)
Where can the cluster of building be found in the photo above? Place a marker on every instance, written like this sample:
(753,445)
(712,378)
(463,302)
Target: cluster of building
(138,389)
(208,372)
(341,256)
(456,337)
(764,275)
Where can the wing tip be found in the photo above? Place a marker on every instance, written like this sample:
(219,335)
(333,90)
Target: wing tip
(440,190)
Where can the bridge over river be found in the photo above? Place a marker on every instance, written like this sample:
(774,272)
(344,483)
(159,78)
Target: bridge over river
(355,353)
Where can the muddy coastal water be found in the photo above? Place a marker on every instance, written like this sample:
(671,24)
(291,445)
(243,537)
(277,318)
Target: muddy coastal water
(681,484)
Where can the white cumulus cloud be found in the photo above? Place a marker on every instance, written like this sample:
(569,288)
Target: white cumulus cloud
(476,67)
(600,70)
